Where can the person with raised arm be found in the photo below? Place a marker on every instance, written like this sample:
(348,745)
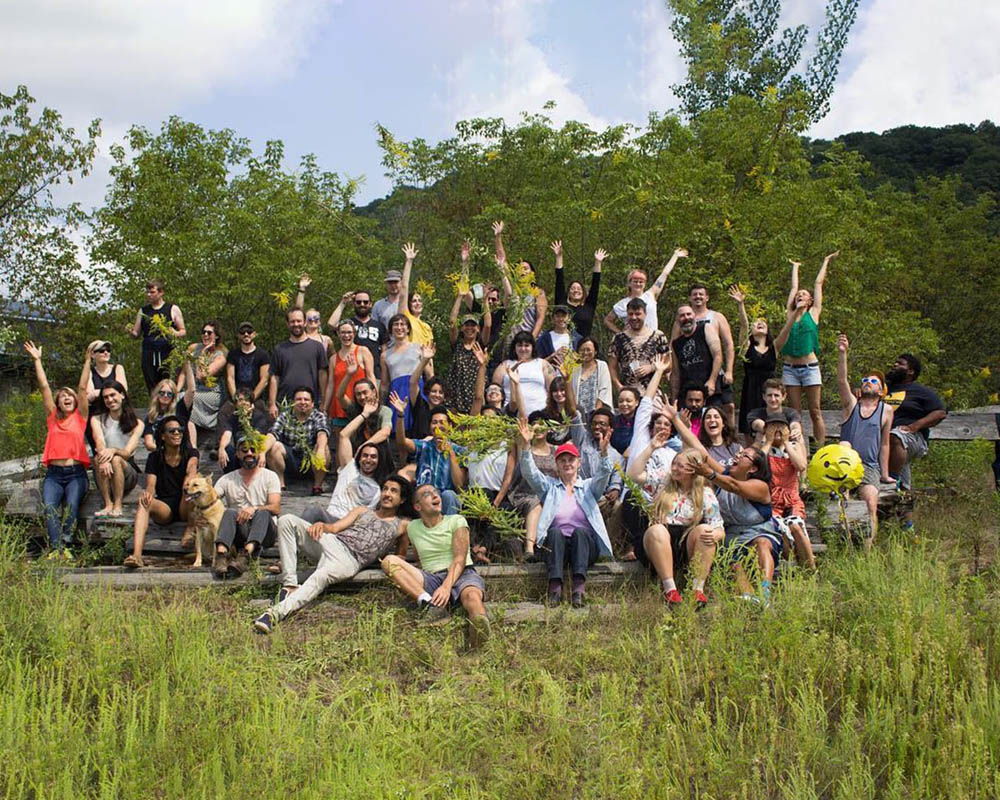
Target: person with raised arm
(464,363)
(65,454)
(163,500)
(313,318)
(437,458)
(916,409)
(571,524)
(425,393)
(368,329)
(798,343)
(209,356)
(341,549)
(360,471)
(755,347)
(637,289)
(633,350)
(538,304)
(411,303)
(866,423)
(351,364)
(583,308)
(155,346)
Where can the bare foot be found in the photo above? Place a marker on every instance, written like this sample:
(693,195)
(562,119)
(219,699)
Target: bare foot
(117,511)
(104,512)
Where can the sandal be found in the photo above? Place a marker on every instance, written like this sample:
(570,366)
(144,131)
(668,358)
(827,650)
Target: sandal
(131,562)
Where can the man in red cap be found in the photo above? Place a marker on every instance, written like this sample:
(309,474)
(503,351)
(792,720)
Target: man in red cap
(571,522)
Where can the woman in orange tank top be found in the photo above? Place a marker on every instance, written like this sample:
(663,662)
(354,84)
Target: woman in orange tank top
(348,365)
(65,456)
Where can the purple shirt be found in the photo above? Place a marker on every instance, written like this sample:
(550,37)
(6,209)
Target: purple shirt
(569,516)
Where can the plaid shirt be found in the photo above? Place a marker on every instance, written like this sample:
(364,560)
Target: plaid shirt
(433,466)
(284,427)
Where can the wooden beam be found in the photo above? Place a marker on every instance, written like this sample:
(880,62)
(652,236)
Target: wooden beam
(957,426)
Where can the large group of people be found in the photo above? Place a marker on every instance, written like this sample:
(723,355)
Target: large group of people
(640,455)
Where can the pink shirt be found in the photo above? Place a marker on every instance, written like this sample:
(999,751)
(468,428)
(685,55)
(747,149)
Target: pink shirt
(569,516)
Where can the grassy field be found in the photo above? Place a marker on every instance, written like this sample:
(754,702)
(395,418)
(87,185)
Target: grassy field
(876,678)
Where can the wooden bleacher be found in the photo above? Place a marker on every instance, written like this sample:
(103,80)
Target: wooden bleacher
(20,483)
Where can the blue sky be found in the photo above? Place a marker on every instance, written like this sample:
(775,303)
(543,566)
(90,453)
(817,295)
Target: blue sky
(318,74)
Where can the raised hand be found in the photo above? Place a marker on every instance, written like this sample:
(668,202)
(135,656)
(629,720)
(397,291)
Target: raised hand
(661,362)
(660,439)
(466,250)
(524,433)
(842,343)
(352,363)
(831,256)
(370,408)
(512,374)
(681,252)
(737,295)
(481,355)
(304,281)
(602,439)
(684,416)
(794,263)
(600,254)
(410,251)
(33,350)
(427,351)
(557,248)
(397,402)
(498,227)
(347,298)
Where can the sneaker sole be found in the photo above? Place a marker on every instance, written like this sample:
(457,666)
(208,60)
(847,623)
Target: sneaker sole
(260,627)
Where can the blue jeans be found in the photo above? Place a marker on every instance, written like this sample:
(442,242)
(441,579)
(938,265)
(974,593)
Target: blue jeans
(582,548)
(449,502)
(63,485)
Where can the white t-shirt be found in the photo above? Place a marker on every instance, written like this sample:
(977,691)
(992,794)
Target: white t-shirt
(559,340)
(353,489)
(236,494)
(647,297)
(487,471)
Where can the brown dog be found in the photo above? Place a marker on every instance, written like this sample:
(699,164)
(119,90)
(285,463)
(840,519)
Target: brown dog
(204,517)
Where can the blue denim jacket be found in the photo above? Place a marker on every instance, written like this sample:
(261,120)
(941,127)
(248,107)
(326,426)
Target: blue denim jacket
(586,491)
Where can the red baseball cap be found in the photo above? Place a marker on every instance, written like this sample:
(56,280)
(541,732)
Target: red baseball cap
(567,447)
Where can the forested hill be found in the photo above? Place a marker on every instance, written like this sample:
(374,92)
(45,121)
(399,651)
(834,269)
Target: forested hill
(902,155)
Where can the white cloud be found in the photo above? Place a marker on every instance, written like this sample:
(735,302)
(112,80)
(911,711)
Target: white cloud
(917,62)
(661,66)
(131,57)
(513,74)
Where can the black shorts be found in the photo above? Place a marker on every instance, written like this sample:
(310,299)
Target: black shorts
(723,394)
(678,546)
(174,504)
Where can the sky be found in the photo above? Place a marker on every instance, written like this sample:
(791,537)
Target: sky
(319,74)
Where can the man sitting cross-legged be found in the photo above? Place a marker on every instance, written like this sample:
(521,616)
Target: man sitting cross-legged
(341,549)
(571,522)
(446,576)
(252,496)
(865,427)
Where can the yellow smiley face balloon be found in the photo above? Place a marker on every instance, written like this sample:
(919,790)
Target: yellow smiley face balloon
(835,468)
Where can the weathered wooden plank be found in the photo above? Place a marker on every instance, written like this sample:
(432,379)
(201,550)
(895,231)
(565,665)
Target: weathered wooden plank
(957,426)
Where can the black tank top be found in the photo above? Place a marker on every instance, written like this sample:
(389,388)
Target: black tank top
(693,356)
(97,406)
(149,334)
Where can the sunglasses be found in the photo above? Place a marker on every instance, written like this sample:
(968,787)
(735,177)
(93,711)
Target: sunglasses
(171,430)
(246,331)
(362,302)
(208,332)
(312,318)
(871,380)
(165,393)
(103,350)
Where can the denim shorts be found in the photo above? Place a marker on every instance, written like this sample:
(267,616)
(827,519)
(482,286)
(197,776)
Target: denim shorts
(801,374)
(469,577)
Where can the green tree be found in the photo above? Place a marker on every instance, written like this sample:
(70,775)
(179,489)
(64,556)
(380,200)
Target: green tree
(227,229)
(38,257)
(733,49)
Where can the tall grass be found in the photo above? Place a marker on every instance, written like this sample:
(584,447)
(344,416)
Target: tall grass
(876,679)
